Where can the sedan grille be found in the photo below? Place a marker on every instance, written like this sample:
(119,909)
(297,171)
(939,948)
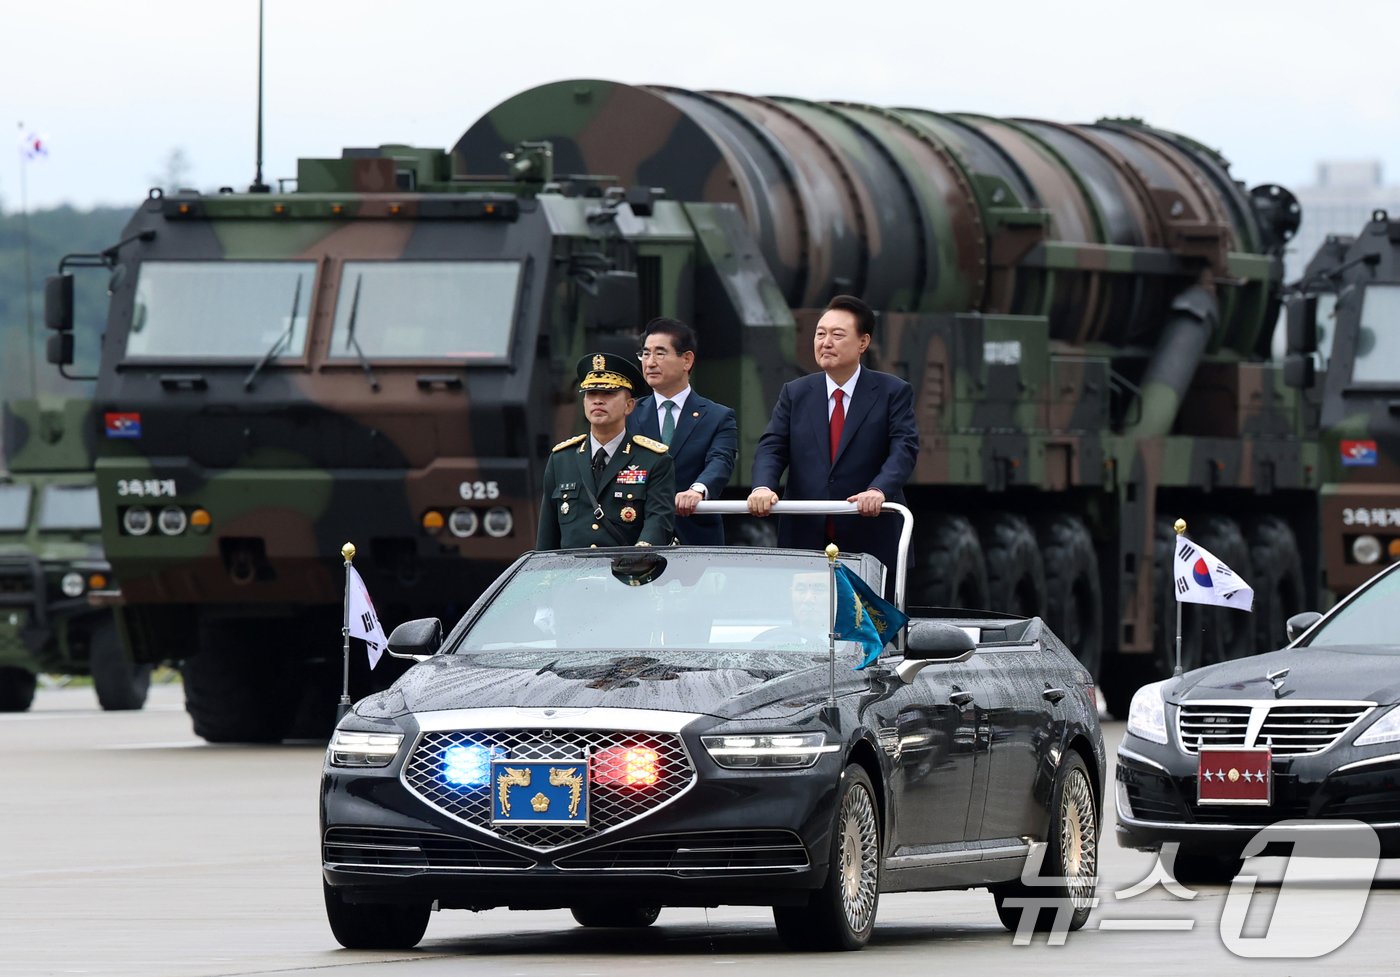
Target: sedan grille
(696,851)
(610,805)
(390,848)
(1288,729)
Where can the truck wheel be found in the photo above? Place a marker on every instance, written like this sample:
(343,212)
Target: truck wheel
(1015,569)
(841,914)
(118,682)
(16,689)
(1164,605)
(950,571)
(1073,593)
(370,926)
(235,689)
(1068,874)
(634,916)
(1279,590)
(1225,633)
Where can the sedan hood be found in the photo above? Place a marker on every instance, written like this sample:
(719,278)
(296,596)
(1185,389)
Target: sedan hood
(1370,672)
(764,685)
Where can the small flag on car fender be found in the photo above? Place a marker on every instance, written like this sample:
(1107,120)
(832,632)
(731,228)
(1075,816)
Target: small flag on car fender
(1202,578)
(862,617)
(361,619)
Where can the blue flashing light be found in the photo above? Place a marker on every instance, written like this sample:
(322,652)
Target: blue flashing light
(469,765)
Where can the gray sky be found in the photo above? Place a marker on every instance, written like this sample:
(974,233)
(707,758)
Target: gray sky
(116,86)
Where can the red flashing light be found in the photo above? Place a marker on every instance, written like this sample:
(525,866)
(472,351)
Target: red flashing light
(627,766)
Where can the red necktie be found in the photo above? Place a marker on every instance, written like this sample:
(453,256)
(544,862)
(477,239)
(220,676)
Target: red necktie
(838,424)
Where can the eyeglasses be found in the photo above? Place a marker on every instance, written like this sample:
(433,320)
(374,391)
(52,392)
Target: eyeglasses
(652,354)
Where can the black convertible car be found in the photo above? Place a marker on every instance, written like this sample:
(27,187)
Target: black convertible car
(613,731)
(1311,731)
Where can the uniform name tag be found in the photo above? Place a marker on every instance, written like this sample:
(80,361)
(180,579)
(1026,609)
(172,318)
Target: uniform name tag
(632,475)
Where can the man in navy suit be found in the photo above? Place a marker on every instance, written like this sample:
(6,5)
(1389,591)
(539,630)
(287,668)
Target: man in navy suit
(703,435)
(845,434)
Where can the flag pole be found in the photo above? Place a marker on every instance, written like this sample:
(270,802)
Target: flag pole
(1180,527)
(832,552)
(347,551)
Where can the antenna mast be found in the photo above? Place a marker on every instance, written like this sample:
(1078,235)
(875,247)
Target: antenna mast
(258,185)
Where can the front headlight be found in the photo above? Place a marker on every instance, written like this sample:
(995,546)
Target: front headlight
(1383,730)
(789,750)
(355,749)
(1147,716)
(72,584)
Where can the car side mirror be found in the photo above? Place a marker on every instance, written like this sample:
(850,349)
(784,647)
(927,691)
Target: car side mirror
(417,640)
(1299,623)
(933,643)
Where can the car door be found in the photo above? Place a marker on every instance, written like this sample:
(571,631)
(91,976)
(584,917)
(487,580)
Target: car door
(1018,726)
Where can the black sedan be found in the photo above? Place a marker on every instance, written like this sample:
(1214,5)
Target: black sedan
(1309,732)
(615,731)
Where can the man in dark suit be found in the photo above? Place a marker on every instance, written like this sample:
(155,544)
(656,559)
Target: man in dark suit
(845,434)
(702,435)
(606,487)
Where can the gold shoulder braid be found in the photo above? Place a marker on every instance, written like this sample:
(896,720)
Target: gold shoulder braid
(646,442)
(571,441)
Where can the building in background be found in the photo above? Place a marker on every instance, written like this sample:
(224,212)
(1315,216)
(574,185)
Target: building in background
(1340,202)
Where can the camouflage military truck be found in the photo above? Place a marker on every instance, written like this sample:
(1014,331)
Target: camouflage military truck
(385,355)
(1344,351)
(54,579)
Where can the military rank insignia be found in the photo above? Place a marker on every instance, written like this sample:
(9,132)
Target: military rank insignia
(631,475)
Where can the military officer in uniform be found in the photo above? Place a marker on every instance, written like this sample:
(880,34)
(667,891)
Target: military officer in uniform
(605,488)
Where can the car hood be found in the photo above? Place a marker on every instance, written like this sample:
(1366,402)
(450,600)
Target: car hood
(1370,672)
(739,685)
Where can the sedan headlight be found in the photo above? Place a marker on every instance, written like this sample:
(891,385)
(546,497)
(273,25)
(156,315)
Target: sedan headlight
(354,749)
(1147,716)
(1383,730)
(789,750)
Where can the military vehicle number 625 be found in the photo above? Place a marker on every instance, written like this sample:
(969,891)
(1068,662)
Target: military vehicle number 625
(480,490)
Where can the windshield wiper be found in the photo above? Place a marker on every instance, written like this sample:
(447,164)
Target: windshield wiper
(276,346)
(350,339)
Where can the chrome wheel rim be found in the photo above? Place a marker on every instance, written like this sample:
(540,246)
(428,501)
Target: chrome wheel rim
(858,859)
(1079,849)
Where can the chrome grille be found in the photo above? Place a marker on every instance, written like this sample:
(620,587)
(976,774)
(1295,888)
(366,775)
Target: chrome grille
(697,852)
(609,805)
(391,848)
(1289,729)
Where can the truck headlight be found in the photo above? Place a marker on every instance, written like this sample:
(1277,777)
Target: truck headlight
(498,522)
(1366,549)
(71,584)
(790,750)
(172,520)
(1383,730)
(137,520)
(355,749)
(1147,716)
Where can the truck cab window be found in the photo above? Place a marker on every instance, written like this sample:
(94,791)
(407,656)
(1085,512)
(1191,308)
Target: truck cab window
(1378,338)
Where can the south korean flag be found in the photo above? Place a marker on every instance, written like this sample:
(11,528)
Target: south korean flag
(361,619)
(1201,578)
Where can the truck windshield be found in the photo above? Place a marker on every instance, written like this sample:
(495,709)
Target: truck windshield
(14,507)
(220,309)
(69,507)
(409,310)
(1378,340)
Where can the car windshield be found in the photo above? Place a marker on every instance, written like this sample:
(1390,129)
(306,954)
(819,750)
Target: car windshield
(230,309)
(425,310)
(1378,342)
(69,507)
(14,507)
(1367,618)
(675,600)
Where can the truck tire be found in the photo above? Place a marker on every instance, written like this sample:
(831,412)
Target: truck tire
(119,683)
(1225,632)
(1015,568)
(234,688)
(950,571)
(1073,591)
(16,689)
(1279,591)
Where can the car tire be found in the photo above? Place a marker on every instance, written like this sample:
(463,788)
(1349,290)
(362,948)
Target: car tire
(950,570)
(1279,590)
(633,916)
(1071,857)
(119,683)
(1015,568)
(1073,591)
(1225,633)
(1201,868)
(375,926)
(16,689)
(841,914)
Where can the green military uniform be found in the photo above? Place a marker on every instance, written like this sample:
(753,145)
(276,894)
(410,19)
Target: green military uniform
(635,492)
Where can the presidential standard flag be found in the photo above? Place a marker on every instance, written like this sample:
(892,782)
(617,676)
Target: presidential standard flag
(361,620)
(863,617)
(1201,578)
